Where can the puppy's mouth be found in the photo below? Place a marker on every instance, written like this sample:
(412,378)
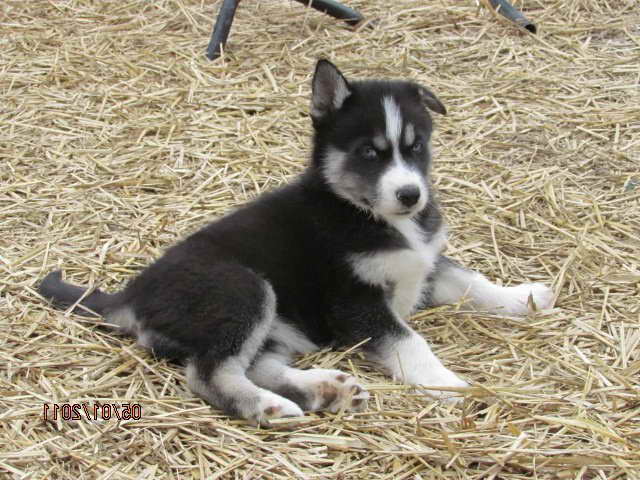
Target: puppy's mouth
(409,212)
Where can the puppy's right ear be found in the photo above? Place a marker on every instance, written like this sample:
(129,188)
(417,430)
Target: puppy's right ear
(329,90)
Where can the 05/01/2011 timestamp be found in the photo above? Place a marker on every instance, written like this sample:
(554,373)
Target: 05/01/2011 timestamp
(97,411)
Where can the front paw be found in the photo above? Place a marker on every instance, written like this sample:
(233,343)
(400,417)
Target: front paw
(516,299)
(443,378)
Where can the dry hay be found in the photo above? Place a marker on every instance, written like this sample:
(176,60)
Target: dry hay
(118,137)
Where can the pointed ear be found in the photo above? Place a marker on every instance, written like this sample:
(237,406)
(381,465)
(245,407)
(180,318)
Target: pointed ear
(429,100)
(329,89)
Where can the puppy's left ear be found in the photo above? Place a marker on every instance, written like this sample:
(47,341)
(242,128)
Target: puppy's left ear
(329,89)
(429,100)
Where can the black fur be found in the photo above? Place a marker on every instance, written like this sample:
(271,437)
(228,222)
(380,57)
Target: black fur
(64,295)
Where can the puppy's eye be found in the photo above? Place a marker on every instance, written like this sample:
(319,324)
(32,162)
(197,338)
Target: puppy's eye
(369,153)
(417,146)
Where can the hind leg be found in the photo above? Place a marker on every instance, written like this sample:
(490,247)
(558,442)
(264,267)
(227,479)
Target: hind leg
(222,379)
(228,388)
(217,318)
(314,389)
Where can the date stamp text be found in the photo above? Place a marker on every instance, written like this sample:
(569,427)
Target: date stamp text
(83,411)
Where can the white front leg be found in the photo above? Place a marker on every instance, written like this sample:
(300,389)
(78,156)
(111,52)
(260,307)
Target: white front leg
(453,283)
(409,358)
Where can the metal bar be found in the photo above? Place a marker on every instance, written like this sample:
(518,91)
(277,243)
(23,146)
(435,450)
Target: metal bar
(508,11)
(335,9)
(222,28)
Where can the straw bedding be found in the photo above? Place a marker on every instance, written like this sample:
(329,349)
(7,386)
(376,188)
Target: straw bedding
(117,137)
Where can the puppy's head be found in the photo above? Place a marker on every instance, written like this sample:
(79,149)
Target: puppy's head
(373,141)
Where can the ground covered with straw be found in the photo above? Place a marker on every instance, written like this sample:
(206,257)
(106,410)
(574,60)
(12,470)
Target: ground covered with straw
(117,137)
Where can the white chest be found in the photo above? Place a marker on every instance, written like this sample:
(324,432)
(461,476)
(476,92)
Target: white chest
(404,271)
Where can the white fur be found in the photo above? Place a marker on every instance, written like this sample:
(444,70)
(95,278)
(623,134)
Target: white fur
(125,319)
(409,134)
(341,94)
(393,120)
(271,405)
(144,339)
(291,340)
(334,166)
(409,359)
(341,184)
(405,269)
(455,284)
(380,142)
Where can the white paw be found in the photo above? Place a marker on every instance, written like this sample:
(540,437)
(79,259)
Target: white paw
(333,390)
(443,377)
(271,406)
(516,299)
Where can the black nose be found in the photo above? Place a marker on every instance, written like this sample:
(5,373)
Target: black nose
(408,195)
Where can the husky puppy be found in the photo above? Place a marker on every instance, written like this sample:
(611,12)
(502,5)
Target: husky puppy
(343,254)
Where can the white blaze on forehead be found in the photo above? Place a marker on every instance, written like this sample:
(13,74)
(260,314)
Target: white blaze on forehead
(409,134)
(393,120)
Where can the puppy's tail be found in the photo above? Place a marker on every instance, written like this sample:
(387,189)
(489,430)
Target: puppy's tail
(63,295)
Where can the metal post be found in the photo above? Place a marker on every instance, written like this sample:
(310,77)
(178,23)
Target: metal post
(222,28)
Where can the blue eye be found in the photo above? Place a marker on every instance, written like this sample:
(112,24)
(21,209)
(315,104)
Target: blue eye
(417,146)
(369,152)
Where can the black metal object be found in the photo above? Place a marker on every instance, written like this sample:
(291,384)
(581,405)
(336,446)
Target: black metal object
(228,11)
(222,28)
(335,9)
(508,11)
(339,11)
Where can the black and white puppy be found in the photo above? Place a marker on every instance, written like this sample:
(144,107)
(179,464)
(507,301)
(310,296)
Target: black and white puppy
(343,254)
